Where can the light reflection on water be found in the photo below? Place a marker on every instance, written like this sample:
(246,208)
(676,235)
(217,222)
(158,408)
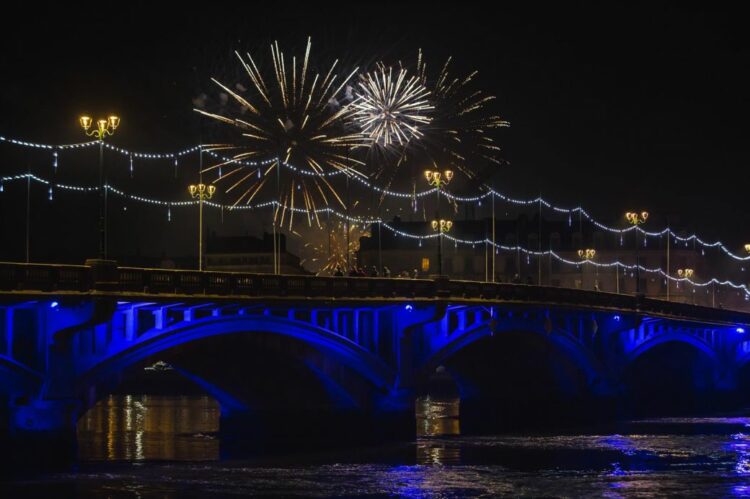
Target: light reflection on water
(150,427)
(437,418)
(655,458)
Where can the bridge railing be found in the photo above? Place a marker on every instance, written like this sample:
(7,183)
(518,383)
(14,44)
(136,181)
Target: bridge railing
(108,277)
(229,283)
(45,277)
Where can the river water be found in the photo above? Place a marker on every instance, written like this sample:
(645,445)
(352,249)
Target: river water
(166,447)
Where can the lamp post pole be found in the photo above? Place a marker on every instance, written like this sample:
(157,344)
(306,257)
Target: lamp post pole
(668,269)
(104,127)
(586,255)
(28,214)
(441,226)
(201,192)
(636,219)
(439,180)
(687,274)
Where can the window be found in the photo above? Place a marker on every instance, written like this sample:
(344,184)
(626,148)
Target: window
(554,240)
(556,265)
(599,239)
(425,264)
(577,241)
(533,241)
(469,264)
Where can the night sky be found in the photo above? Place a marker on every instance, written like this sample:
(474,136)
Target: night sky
(615,107)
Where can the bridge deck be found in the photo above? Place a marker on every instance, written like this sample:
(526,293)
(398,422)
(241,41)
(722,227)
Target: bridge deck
(106,279)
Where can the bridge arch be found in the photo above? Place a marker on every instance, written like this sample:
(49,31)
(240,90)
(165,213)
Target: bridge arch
(670,337)
(365,366)
(16,377)
(518,375)
(566,345)
(672,371)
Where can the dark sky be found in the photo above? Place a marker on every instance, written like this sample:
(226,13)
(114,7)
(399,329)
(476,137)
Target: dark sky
(613,106)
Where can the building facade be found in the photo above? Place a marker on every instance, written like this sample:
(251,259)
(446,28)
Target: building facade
(249,254)
(476,262)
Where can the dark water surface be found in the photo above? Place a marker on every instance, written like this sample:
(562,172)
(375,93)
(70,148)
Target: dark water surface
(166,447)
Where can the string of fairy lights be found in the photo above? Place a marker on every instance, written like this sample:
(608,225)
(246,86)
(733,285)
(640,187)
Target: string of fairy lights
(398,232)
(694,238)
(539,201)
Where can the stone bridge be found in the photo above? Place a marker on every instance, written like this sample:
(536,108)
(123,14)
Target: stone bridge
(344,347)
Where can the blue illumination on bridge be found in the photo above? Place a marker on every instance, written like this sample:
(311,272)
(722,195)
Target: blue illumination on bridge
(372,344)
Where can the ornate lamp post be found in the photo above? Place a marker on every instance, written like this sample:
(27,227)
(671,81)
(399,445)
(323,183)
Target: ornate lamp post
(439,180)
(637,219)
(687,274)
(103,129)
(201,192)
(441,226)
(586,255)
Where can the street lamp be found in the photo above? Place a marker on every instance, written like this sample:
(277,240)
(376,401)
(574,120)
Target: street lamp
(441,226)
(636,219)
(687,274)
(439,180)
(747,248)
(104,127)
(586,255)
(201,192)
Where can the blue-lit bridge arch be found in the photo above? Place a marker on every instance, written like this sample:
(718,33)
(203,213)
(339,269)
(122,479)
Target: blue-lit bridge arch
(372,342)
(561,343)
(130,350)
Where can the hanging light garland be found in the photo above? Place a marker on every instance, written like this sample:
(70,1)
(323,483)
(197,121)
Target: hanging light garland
(694,238)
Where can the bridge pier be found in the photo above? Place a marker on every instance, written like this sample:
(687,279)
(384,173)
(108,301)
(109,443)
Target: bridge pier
(40,431)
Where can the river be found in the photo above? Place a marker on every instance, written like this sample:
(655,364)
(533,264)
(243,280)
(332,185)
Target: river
(139,446)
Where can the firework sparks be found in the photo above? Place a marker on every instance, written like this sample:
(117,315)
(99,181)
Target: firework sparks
(462,127)
(391,108)
(331,253)
(458,134)
(299,116)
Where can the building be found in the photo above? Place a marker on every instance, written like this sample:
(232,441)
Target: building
(249,254)
(565,238)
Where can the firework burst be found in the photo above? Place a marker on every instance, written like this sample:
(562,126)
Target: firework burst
(331,253)
(391,109)
(462,124)
(299,116)
(458,134)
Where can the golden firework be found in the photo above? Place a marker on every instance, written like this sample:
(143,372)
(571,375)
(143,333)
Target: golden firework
(458,134)
(391,108)
(295,126)
(334,250)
